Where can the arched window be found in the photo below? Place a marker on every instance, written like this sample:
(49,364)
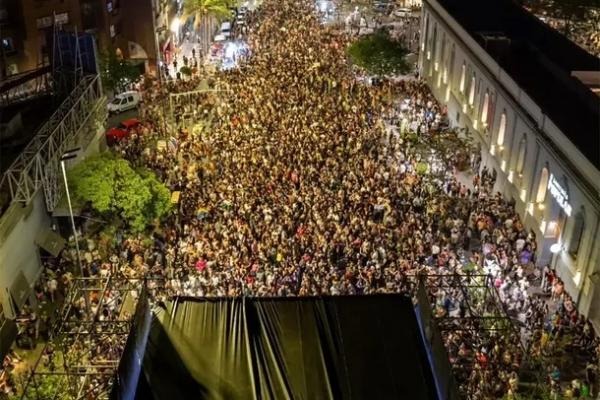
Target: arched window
(451,66)
(521,156)
(426,30)
(542,186)
(441,54)
(472,90)
(433,42)
(463,76)
(577,233)
(486,106)
(501,129)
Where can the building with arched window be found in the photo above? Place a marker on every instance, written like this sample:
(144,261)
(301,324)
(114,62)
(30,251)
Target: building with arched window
(521,89)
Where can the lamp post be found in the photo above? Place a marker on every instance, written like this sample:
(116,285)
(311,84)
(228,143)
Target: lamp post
(68,155)
(554,249)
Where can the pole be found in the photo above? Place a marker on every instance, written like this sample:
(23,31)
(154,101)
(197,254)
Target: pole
(64,173)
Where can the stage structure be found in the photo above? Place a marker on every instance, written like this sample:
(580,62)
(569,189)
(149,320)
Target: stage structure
(267,333)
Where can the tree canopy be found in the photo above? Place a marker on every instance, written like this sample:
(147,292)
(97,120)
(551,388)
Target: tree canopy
(112,186)
(379,54)
(200,9)
(116,72)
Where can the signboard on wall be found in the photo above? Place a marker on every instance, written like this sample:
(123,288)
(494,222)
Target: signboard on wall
(560,195)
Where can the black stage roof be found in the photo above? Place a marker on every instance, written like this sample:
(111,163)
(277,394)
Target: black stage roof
(366,347)
(540,60)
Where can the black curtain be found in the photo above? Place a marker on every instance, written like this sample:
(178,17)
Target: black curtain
(353,347)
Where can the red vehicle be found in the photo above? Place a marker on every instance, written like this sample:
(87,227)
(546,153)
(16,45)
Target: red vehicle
(122,131)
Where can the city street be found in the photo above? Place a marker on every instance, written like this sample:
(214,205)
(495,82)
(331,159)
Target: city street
(297,172)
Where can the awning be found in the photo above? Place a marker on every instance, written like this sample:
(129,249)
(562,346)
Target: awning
(137,51)
(50,241)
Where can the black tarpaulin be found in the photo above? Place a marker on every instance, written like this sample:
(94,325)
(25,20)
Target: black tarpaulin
(365,347)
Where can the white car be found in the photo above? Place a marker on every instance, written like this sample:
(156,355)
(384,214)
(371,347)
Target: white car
(226,29)
(123,102)
(402,12)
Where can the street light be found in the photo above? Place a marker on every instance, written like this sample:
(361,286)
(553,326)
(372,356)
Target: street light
(68,155)
(175,24)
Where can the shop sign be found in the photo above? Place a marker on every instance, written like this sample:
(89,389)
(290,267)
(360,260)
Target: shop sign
(560,195)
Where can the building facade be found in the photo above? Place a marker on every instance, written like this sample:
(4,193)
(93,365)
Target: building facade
(519,90)
(27,26)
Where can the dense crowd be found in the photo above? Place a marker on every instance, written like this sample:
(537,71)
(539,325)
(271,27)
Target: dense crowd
(306,184)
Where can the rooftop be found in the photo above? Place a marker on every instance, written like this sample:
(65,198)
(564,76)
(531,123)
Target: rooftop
(541,61)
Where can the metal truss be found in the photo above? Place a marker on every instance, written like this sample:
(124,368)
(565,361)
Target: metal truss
(185,98)
(25,86)
(38,165)
(79,370)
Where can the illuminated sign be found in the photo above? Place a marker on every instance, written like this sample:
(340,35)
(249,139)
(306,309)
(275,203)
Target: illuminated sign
(560,195)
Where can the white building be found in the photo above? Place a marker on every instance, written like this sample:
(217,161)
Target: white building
(522,90)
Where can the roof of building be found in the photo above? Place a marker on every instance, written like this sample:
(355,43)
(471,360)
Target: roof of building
(540,60)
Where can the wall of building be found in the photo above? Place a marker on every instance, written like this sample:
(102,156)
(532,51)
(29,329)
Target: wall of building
(115,24)
(18,250)
(524,147)
(20,226)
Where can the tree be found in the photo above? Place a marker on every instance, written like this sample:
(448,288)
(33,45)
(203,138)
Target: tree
(116,72)
(378,54)
(112,187)
(205,12)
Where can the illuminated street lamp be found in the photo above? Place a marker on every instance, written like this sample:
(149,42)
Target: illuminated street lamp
(68,155)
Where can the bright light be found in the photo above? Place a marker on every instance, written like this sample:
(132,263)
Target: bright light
(175,24)
(555,248)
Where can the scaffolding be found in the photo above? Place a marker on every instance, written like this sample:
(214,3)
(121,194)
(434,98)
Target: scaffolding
(86,351)
(38,166)
(83,368)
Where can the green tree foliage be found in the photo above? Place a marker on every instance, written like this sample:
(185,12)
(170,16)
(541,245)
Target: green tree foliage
(201,9)
(116,72)
(378,54)
(113,187)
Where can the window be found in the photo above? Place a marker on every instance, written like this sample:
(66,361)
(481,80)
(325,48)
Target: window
(426,30)
(486,106)
(521,155)
(472,90)
(433,43)
(451,66)
(130,99)
(463,73)
(542,186)
(7,45)
(501,129)
(442,54)
(577,233)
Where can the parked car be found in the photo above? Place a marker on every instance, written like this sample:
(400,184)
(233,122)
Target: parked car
(226,29)
(402,12)
(122,131)
(382,7)
(123,102)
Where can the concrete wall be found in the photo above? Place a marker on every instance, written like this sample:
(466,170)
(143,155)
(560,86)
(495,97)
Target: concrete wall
(20,225)
(526,127)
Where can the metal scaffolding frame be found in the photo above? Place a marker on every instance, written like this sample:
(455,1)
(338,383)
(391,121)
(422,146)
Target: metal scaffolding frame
(38,166)
(76,373)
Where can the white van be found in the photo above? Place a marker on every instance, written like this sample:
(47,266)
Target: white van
(226,29)
(123,102)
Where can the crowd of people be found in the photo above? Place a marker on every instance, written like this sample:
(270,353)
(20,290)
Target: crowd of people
(305,184)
